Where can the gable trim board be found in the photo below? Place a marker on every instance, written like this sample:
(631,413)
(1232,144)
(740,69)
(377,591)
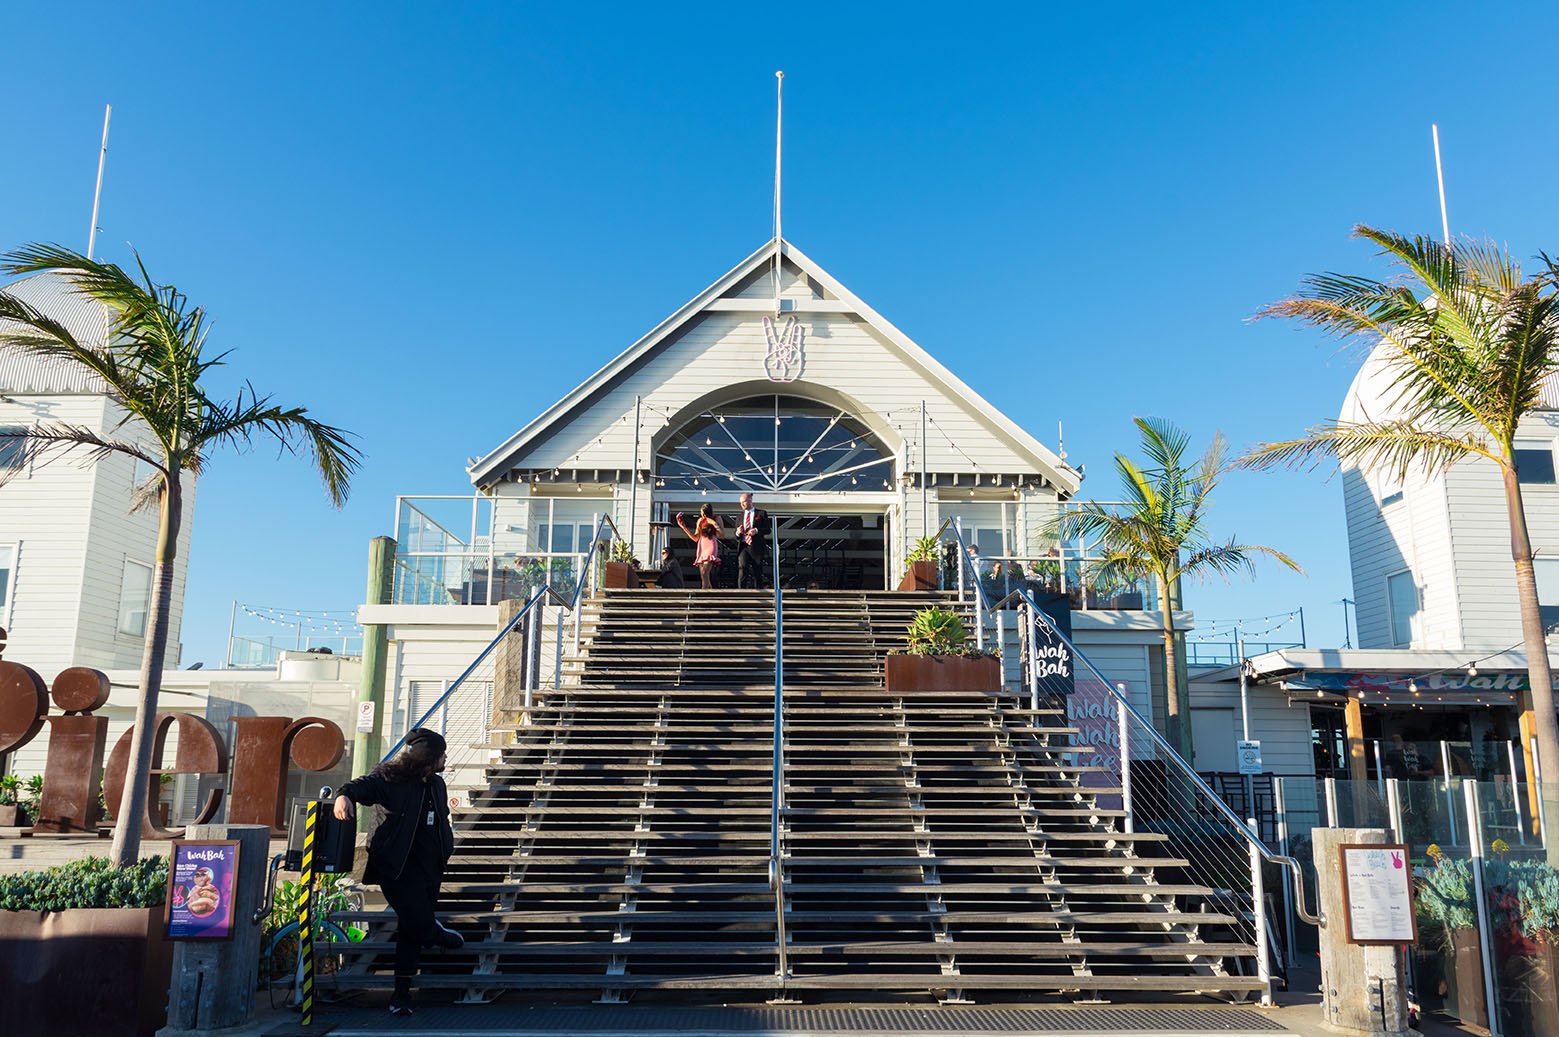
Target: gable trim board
(495,465)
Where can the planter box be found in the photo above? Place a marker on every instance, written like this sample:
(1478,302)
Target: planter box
(1465,974)
(920,576)
(620,576)
(14,817)
(911,673)
(103,971)
(1529,990)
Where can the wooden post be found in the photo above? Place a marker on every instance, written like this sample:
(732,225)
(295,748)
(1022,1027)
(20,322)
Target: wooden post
(1528,728)
(1353,718)
(213,980)
(368,746)
(1363,988)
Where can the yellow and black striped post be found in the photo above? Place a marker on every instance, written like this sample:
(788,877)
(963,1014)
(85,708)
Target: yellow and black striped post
(306,915)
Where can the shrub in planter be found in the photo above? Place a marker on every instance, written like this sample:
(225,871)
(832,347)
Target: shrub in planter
(921,572)
(622,569)
(939,658)
(12,813)
(81,948)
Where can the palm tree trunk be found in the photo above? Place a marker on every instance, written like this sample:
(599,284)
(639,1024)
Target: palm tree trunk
(132,805)
(1175,719)
(1533,636)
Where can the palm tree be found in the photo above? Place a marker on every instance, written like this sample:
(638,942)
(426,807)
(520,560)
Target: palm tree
(1159,531)
(150,364)
(1468,344)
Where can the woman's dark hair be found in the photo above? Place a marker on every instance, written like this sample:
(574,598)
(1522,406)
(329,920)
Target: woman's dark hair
(707,511)
(415,762)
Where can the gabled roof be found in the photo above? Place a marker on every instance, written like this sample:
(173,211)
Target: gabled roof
(54,296)
(496,462)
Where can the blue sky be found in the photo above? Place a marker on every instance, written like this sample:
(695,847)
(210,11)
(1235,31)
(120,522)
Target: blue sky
(426,223)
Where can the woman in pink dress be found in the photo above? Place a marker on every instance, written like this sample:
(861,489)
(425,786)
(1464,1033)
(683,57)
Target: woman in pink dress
(706,534)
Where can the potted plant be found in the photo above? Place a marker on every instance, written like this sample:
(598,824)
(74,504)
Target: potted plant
(938,658)
(1445,900)
(622,569)
(12,813)
(921,572)
(82,948)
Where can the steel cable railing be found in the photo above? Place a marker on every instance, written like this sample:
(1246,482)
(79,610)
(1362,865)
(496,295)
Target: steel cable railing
(462,712)
(777,792)
(1136,768)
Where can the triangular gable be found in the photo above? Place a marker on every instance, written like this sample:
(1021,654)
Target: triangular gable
(748,280)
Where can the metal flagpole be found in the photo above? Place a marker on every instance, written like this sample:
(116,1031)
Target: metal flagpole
(1445,224)
(779,113)
(97,192)
(925,508)
(633,480)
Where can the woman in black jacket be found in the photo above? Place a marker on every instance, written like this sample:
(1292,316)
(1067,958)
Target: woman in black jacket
(408,849)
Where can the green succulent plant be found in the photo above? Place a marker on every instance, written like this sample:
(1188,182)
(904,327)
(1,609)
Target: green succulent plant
(88,882)
(10,790)
(936,631)
(926,549)
(1445,894)
(622,551)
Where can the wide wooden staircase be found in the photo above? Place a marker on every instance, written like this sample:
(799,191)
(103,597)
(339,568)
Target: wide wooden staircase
(939,845)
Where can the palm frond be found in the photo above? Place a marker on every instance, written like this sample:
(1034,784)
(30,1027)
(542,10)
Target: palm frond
(45,441)
(1231,559)
(1387,446)
(334,456)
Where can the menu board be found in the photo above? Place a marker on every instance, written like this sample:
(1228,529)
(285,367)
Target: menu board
(201,881)
(1377,893)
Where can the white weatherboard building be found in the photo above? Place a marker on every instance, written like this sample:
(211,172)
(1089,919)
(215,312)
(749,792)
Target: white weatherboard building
(75,561)
(778,380)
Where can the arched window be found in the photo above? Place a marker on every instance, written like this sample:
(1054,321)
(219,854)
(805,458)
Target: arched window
(774,443)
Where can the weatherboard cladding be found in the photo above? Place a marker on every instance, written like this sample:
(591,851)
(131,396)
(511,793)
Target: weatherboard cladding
(698,352)
(86,319)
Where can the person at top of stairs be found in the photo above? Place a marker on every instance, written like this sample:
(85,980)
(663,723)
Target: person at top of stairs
(752,534)
(670,570)
(409,848)
(707,536)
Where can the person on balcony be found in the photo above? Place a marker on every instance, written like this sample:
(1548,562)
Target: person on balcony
(410,845)
(706,534)
(670,570)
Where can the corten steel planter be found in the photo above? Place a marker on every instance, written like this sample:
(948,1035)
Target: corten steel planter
(103,971)
(14,816)
(920,576)
(620,576)
(1465,970)
(911,673)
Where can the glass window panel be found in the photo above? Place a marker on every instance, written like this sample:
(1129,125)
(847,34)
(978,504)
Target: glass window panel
(13,448)
(7,565)
(1403,596)
(134,596)
(1535,463)
(1547,570)
(562,538)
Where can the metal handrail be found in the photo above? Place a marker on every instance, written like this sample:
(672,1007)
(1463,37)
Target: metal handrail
(1170,752)
(777,792)
(545,592)
(508,627)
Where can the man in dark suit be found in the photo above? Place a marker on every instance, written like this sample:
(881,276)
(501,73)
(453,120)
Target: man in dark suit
(752,533)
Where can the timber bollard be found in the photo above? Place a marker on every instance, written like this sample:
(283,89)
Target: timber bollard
(214,980)
(1363,985)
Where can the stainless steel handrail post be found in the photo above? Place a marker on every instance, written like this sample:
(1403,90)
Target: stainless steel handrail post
(1125,740)
(1258,902)
(1033,639)
(777,791)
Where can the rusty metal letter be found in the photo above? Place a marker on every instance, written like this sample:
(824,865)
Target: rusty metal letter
(261,749)
(24,702)
(76,741)
(200,751)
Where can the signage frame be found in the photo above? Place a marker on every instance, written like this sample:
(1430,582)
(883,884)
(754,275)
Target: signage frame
(220,931)
(1347,900)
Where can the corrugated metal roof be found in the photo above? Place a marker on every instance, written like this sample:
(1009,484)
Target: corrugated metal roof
(86,318)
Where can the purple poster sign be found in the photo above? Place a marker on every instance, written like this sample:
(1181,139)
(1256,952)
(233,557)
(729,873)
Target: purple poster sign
(201,879)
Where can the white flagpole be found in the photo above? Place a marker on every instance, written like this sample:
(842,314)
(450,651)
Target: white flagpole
(1445,224)
(779,113)
(97,192)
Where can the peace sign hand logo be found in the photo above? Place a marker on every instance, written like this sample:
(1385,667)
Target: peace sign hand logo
(784,359)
